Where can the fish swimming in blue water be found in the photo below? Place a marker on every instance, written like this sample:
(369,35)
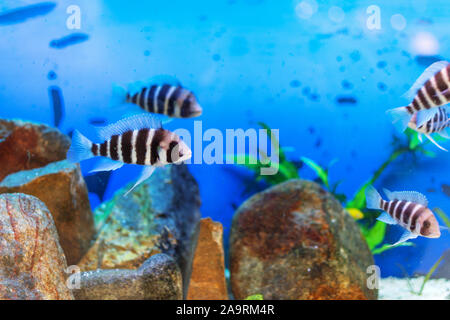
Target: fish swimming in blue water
(438,124)
(408,209)
(138,139)
(69,40)
(431,90)
(162,95)
(24,13)
(57,102)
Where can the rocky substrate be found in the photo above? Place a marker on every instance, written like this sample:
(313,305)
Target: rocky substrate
(292,241)
(400,289)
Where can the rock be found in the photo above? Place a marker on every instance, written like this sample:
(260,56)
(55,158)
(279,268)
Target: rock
(32,263)
(159,278)
(295,241)
(159,216)
(26,145)
(208,268)
(61,187)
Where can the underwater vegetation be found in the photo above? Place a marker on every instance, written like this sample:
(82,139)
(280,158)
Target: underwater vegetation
(374,231)
(22,14)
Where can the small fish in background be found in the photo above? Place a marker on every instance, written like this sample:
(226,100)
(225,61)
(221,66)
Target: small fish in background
(408,209)
(161,94)
(438,124)
(57,101)
(22,14)
(138,139)
(68,40)
(431,90)
(97,121)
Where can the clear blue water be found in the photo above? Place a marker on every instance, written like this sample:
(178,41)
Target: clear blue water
(247,61)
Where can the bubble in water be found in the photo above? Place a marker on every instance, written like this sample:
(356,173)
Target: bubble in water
(336,14)
(398,22)
(305,9)
(425,43)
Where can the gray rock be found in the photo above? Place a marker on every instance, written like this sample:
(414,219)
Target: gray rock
(159,216)
(159,278)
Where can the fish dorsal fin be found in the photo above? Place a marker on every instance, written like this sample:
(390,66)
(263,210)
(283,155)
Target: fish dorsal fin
(164,79)
(411,196)
(136,122)
(427,74)
(160,80)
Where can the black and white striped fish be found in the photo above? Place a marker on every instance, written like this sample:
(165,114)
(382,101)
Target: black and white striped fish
(438,124)
(161,94)
(139,139)
(408,209)
(431,90)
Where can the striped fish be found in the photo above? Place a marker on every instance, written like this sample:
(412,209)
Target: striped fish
(431,90)
(408,209)
(438,124)
(162,95)
(139,139)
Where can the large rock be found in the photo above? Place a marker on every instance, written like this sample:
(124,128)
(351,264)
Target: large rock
(26,145)
(208,268)
(159,278)
(159,216)
(295,241)
(61,187)
(32,263)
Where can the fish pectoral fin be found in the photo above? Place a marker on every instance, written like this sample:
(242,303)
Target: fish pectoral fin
(386,218)
(405,237)
(423,116)
(435,143)
(145,174)
(106,164)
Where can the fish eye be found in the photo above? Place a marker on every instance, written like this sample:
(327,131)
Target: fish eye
(426,224)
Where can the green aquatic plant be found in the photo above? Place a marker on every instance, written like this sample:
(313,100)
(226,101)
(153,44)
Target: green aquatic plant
(286,169)
(255,297)
(373,231)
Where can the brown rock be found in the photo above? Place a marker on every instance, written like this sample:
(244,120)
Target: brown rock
(295,241)
(26,145)
(32,263)
(159,278)
(61,187)
(159,216)
(208,269)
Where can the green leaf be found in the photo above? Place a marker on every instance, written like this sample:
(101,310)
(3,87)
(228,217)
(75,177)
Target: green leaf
(443,216)
(430,273)
(386,247)
(321,173)
(375,235)
(255,297)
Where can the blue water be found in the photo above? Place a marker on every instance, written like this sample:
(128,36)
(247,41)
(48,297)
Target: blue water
(246,61)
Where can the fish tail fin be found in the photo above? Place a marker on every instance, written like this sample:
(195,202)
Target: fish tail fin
(80,149)
(400,117)
(373,198)
(119,95)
